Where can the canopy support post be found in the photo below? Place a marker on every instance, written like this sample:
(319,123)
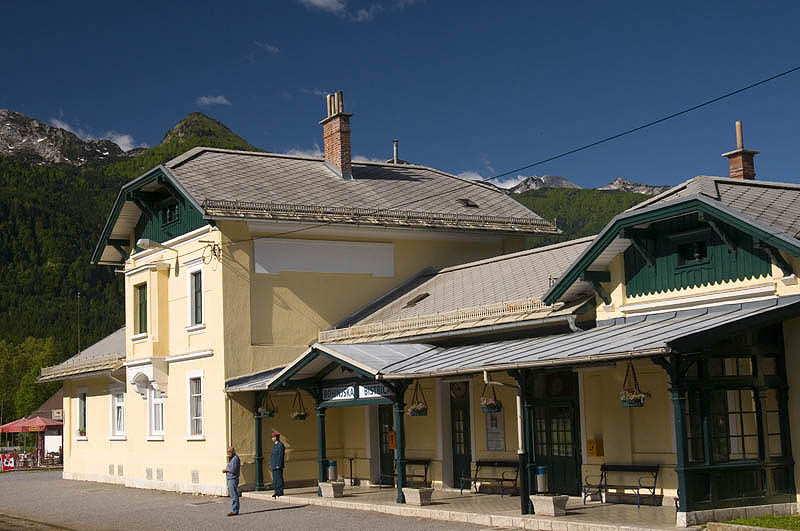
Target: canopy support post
(399,426)
(259,450)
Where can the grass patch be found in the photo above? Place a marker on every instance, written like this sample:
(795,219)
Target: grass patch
(789,521)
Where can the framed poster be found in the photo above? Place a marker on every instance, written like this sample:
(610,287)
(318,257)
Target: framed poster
(495,432)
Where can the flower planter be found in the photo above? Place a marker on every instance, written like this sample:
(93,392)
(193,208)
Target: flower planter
(299,415)
(549,505)
(266,413)
(632,402)
(332,489)
(418,496)
(492,408)
(418,412)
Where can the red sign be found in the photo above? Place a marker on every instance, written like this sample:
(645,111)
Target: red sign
(8,461)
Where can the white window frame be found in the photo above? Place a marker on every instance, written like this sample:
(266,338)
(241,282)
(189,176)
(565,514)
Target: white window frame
(139,335)
(195,267)
(190,375)
(152,401)
(82,395)
(115,433)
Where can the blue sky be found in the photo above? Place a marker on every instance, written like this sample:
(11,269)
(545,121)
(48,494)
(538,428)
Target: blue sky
(473,88)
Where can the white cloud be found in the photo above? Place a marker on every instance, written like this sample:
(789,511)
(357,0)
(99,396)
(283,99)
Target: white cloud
(339,7)
(315,91)
(509,182)
(470,175)
(212,100)
(123,140)
(361,158)
(332,6)
(267,47)
(505,182)
(314,152)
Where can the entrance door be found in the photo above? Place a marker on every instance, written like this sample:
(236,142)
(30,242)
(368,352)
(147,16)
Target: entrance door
(557,431)
(386,425)
(459,415)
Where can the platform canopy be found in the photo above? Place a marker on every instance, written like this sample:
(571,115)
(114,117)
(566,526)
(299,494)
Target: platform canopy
(649,335)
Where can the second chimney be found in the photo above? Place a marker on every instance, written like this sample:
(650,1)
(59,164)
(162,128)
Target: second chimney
(741,161)
(336,135)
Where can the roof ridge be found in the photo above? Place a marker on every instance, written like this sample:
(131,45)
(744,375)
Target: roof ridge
(511,256)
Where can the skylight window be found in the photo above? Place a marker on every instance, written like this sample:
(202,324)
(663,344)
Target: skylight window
(468,202)
(413,302)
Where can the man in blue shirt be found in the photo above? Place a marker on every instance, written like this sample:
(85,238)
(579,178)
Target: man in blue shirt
(276,464)
(232,475)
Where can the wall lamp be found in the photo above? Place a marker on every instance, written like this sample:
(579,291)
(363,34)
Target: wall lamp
(147,243)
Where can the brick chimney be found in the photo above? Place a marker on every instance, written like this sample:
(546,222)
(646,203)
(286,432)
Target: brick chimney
(336,136)
(741,160)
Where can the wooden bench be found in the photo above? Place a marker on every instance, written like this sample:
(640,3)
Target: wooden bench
(646,482)
(505,478)
(413,472)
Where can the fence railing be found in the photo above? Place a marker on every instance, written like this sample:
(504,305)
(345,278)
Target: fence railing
(292,210)
(436,320)
(72,366)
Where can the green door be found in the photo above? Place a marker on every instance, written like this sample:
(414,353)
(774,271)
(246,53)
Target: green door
(556,428)
(459,415)
(386,424)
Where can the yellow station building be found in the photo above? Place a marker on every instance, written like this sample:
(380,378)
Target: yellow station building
(272,293)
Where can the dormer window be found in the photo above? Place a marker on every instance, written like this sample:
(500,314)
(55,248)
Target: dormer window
(413,302)
(468,202)
(169,214)
(692,253)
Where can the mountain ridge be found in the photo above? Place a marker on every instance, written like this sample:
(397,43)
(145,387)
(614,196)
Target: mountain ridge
(39,143)
(534,182)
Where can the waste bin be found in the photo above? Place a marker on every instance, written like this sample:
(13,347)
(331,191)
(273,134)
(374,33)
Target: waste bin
(333,475)
(541,479)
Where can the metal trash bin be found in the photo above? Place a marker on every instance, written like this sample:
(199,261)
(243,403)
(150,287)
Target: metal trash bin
(333,474)
(541,479)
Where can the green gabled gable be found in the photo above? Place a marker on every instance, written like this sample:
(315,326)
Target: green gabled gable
(167,211)
(686,252)
(711,210)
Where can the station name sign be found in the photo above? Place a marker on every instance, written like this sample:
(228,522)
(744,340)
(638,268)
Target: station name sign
(354,392)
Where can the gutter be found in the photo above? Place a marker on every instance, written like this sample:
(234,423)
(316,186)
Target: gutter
(586,360)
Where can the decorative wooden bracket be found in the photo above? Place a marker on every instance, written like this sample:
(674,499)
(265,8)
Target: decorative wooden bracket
(713,224)
(776,258)
(636,240)
(595,278)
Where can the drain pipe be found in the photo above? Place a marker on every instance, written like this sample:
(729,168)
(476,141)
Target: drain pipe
(523,460)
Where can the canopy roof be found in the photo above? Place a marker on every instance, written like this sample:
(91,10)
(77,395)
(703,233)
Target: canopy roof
(29,425)
(623,338)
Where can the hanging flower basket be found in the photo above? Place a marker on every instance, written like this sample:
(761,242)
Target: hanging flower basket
(490,404)
(419,407)
(631,395)
(267,407)
(298,409)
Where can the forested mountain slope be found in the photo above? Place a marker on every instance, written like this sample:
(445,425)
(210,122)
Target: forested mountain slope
(51,216)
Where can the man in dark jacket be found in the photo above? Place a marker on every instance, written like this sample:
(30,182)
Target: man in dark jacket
(276,464)
(232,476)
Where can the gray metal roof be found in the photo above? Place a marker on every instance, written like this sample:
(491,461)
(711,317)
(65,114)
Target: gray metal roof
(251,382)
(645,335)
(106,354)
(511,277)
(256,185)
(775,205)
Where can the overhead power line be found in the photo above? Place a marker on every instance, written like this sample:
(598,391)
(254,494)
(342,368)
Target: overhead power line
(648,124)
(560,155)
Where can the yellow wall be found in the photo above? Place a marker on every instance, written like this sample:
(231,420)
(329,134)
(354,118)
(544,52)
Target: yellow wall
(791,338)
